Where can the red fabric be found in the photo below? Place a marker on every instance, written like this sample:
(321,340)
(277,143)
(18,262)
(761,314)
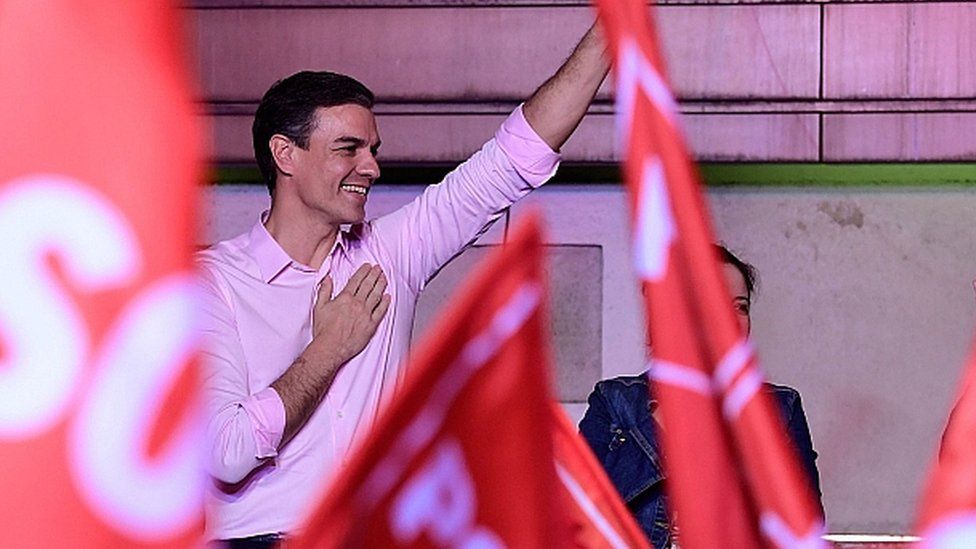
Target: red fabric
(948,508)
(462,453)
(98,167)
(733,478)
(597,515)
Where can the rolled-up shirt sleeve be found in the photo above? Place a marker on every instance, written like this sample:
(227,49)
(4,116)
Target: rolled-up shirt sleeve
(243,430)
(532,157)
(424,235)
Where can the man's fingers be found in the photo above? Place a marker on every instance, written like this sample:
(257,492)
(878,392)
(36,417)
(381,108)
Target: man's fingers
(374,295)
(322,300)
(325,289)
(366,286)
(380,311)
(357,278)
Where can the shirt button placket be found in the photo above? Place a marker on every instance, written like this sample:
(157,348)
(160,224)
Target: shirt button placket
(315,296)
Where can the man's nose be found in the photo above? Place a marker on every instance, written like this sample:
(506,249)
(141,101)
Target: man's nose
(370,168)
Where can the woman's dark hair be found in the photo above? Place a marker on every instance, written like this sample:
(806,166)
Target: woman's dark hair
(749,273)
(288,108)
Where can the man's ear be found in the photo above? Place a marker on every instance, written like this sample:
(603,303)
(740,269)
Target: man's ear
(282,151)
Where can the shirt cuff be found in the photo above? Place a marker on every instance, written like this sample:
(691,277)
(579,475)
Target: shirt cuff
(531,156)
(267,415)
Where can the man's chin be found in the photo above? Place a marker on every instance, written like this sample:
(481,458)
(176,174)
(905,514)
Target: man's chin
(355,219)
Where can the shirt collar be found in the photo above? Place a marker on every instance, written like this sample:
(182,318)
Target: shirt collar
(269,256)
(265,251)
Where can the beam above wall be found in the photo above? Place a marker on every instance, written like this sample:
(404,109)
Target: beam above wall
(255,4)
(714,174)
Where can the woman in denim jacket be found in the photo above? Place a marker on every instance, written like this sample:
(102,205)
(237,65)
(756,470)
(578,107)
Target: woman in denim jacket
(618,425)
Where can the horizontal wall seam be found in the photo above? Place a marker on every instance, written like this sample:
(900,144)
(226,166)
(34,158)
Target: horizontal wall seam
(725,106)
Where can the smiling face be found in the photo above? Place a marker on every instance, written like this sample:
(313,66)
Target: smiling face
(332,177)
(741,300)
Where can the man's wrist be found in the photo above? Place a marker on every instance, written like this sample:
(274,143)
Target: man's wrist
(322,358)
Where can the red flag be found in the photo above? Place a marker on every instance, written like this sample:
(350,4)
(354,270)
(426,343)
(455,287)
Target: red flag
(98,169)
(948,510)
(733,478)
(596,513)
(462,455)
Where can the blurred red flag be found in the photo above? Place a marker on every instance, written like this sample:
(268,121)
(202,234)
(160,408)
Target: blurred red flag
(462,455)
(948,509)
(471,449)
(733,478)
(597,515)
(98,173)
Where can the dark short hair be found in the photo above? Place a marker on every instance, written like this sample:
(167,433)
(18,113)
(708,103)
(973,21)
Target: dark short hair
(288,108)
(749,273)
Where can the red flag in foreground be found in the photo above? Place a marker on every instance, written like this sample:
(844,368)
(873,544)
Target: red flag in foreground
(464,453)
(733,478)
(596,513)
(948,511)
(461,455)
(98,173)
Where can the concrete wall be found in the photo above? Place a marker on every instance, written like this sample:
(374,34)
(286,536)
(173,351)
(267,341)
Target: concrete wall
(865,306)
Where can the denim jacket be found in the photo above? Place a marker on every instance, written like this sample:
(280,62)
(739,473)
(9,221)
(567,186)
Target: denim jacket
(619,428)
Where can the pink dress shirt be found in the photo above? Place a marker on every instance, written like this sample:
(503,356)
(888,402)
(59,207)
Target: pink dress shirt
(257,312)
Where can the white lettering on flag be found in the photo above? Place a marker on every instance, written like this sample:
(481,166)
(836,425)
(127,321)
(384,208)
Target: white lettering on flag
(655,229)
(133,367)
(440,500)
(138,365)
(47,337)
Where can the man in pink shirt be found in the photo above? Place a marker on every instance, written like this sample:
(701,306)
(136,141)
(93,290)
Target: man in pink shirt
(308,323)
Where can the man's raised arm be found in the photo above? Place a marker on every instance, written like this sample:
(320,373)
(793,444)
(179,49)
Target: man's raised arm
(558,106)
(428,232)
